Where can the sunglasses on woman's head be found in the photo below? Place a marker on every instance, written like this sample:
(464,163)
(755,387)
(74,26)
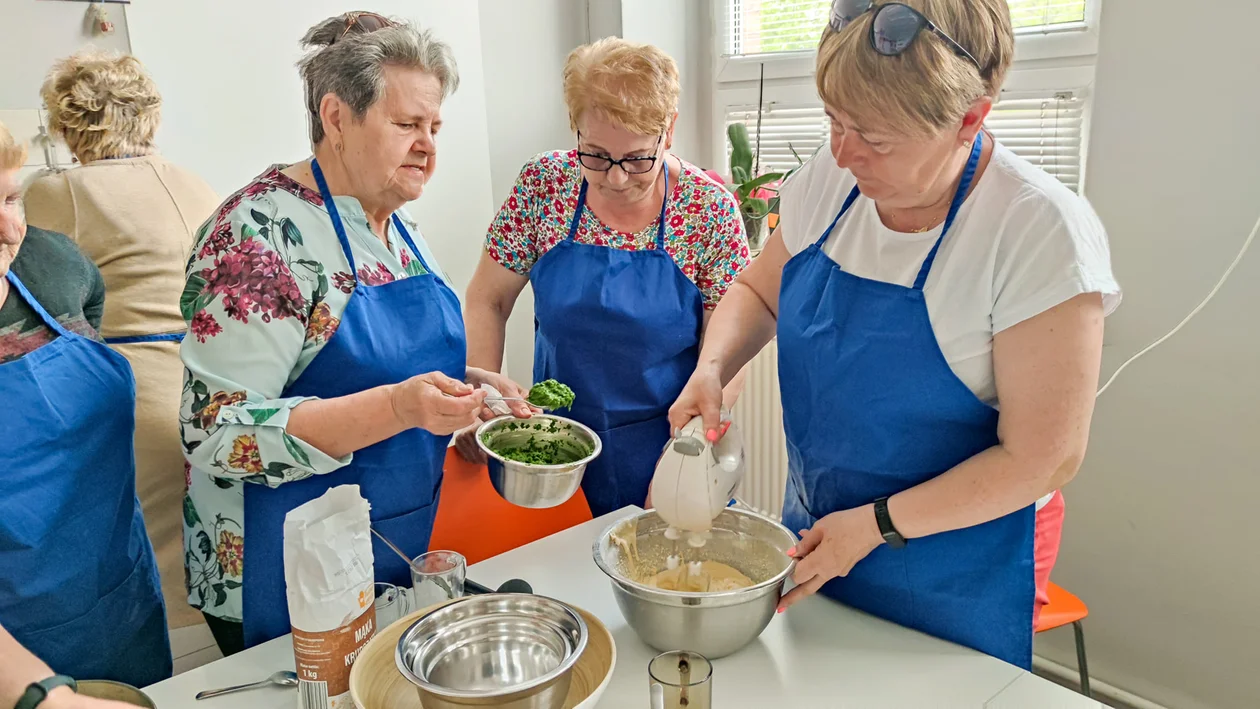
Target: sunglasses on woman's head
(894,27)
(367,21)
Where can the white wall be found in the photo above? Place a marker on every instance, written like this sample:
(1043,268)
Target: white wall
(679,28)
(523,47)
(1161,536)
(32,36)
(233,102)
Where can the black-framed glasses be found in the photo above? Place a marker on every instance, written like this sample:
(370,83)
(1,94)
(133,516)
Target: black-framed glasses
(894,27)
(631,166)
(369,22)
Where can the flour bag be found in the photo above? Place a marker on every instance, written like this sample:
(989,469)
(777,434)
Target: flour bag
(328,579)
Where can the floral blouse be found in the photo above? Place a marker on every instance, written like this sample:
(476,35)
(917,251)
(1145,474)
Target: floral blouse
(267,283)
(703,233)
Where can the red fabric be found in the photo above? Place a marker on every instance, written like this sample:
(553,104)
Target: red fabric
(1049,532)
(473,520)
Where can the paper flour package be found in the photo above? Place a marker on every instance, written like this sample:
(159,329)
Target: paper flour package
(328,578)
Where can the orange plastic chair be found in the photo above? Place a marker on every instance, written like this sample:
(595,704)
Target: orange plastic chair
(1062,609)
(473,520)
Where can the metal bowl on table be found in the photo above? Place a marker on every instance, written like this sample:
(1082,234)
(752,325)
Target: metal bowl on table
(515,651)
(532,485)
(114,691)
(714,624)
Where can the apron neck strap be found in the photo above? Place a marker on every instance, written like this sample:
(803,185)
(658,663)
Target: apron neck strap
(969,174)
(44,315)
(335,216)
(581,204)
(406,235)
(848,202)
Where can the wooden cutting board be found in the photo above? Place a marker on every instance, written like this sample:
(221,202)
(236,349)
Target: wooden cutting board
(376,683)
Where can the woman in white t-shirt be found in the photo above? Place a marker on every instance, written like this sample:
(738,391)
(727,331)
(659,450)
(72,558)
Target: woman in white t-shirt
(923,279)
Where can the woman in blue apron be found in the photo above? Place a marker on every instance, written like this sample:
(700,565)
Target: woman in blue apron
(627,248)
(325,346)
(135,214)
(78,580)
(938,304)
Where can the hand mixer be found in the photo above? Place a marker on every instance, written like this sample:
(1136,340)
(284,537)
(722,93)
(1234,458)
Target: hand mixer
(694,481)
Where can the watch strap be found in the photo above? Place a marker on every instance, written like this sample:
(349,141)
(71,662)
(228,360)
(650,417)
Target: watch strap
(886,527)
(37,692)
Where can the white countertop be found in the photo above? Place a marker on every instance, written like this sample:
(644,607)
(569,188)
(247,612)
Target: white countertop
(819,653)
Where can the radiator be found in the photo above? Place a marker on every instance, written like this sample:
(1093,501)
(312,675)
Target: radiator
(759,415)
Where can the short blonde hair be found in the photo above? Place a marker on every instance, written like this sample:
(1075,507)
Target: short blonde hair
(12,153)
(928,87)
(634,85)
(102,105)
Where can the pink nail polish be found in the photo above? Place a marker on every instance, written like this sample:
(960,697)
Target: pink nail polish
(791,552)
(780,610)
(711,435)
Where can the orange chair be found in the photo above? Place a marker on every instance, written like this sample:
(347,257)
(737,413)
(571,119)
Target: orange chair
(473,520)
(1062,609)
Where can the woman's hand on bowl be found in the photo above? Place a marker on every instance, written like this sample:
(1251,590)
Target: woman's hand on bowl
(466,445)
(437,403)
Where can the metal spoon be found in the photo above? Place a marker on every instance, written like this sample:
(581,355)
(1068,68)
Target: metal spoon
(517,398)
(282,679)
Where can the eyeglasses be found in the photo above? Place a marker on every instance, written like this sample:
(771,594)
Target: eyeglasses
(368,21)
(894,27)
(631,166)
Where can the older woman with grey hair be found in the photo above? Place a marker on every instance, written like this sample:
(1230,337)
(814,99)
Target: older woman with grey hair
(326,348)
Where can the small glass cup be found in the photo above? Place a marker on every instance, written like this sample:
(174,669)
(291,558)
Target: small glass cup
(391,604)
(680,679)
(436,577)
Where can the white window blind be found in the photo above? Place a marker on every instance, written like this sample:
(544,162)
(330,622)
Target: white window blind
(1043,129)
(772,26)
(784,129)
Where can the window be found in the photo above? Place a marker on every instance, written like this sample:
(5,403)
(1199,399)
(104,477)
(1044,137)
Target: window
(775,26)
(1043,129)
(765,54)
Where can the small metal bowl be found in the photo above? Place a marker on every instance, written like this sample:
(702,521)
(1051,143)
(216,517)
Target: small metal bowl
(510,650)
(114,691)
(536,486)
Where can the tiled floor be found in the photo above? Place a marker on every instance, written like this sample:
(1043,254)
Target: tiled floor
(193,647)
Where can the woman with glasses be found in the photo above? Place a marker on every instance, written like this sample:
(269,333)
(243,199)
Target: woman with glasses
(325,347)
(939,308)
(627,248)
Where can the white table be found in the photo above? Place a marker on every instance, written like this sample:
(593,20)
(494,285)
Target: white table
(819,653)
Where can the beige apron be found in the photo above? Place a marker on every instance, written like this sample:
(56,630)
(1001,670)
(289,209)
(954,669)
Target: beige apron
(136,219)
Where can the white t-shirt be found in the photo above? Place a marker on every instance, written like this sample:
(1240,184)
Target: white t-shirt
(1021,244)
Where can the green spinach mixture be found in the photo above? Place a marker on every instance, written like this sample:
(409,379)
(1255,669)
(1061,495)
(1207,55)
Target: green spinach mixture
(534,449)
(550,394)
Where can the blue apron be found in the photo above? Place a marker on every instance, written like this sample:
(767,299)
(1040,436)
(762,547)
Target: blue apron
(388,333)
(78,580)
(136,339)
(872,408)
(622,329)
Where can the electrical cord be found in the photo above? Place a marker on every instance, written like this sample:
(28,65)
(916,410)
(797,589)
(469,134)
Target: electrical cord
(1225,276)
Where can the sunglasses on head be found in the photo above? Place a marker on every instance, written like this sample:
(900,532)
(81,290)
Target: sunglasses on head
(367,21)
(894,26)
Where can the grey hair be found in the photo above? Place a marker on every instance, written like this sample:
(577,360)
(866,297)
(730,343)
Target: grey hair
(351,65)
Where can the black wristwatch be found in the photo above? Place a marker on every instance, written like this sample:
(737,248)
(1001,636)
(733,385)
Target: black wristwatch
(37,692)
(886,527)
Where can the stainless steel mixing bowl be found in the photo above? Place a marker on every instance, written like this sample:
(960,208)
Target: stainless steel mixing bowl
(713,624)
(536,486)
(509,650)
